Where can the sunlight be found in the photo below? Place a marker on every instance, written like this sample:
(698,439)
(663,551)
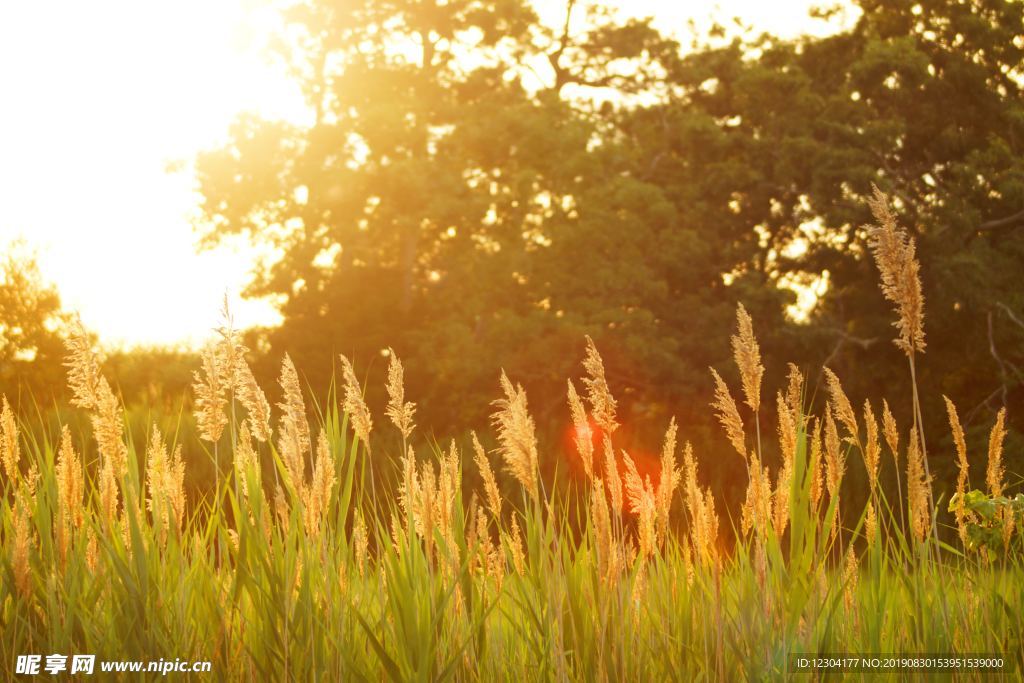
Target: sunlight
(108,96)
(87,147)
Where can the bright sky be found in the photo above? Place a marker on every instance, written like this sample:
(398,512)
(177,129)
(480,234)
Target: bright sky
(99,97)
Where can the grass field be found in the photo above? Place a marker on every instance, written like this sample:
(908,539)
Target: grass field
(323,556)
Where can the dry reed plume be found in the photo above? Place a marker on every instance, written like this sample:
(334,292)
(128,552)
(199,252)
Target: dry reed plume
(304,549)
(897,262)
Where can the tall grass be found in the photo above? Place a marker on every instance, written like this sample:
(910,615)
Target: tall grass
(305,563)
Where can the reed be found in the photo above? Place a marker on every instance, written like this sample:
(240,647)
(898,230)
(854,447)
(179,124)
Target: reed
(305,565)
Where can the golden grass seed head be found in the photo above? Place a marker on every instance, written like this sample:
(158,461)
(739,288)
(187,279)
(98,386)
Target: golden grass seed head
(157,467)
(70,491)
(246,461)
(604,544)
(787,429)
(517,441)
(851,572)
(492,557)
(747,355)
(756,514)
(10,447)
(640,495)
(423,510)
(108,426)
(695,504)
(255,402)
(409,489)
(583,435)
(230,350)
(109,502)
(360,543)
(841,406)
(83,365)
(872,446)
(317,497)
(165,479)
(633,483)
(398,410)
(293,434)
(958,439)
(611,472)
(816,473)
(963,467)
(491,491)
(891,433)
(870,525)
(281,507)
(668,480)
(92,550)
(780,504)
(210,387)
(995,471)
(23,544)
(709,534)
(602,403)
(176,487)
(835,460)
(794,391)
(515,544)
(487,559)
(894,254)
(448,482)
(918,489)
(91,391)
(728,415)
(354,405)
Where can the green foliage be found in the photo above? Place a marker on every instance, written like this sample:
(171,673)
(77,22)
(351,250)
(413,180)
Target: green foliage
(263,598)
(994,522)
(466,201)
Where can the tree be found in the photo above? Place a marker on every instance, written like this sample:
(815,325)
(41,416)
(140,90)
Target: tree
(922,98)
(478,191)
(31,323)
(434,198)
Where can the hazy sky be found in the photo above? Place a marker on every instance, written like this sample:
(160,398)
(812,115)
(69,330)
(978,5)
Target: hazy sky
(99,97)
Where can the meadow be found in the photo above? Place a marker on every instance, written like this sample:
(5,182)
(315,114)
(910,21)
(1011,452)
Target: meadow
(325,555)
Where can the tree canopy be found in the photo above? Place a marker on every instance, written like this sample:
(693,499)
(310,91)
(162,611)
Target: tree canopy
(31,328)
(479,190)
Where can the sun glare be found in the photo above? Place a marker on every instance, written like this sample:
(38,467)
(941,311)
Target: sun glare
(102,98)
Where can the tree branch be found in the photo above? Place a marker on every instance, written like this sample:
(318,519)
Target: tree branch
(1009,222)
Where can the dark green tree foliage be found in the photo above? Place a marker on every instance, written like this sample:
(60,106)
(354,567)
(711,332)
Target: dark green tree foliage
(461,195)
(922,98)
